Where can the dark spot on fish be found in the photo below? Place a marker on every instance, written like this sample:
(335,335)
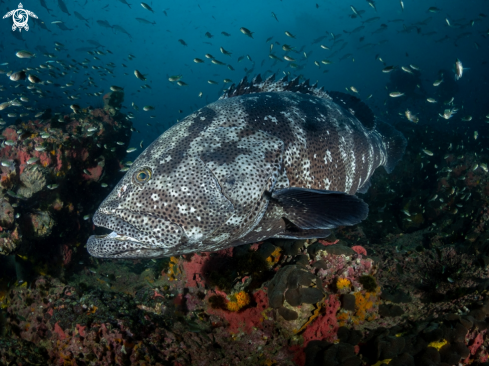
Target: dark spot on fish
(227,153)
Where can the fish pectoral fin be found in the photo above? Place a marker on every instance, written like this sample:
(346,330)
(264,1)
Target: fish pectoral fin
(294,232)
(320,209)
(364,188)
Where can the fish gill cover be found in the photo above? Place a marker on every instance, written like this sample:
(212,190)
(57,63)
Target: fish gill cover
(262,249)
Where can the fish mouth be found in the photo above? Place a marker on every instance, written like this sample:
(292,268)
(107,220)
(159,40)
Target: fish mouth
(114,245)
(127,241)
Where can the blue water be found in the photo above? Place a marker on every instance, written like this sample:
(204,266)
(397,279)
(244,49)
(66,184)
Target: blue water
(159,54)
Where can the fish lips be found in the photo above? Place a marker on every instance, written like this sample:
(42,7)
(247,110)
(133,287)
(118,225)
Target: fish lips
(126,241)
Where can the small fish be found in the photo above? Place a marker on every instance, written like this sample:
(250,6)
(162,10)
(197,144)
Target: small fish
(246,32)
(223,51)
(438,82)
(18,76)
(273,15)
(217,62)
(431,100)
(92,129)
(198,60)
(131,149)
(411,117)
(402,5)
(396,94)
(448,113)
(147,7)
(355,11)
(353,89)
(484,167)
(212,82)
(86,217)
(40,148)
(388,69)
(148,108)
(288,58)
(139,75)
(324,47)
(427,152)
(86,172)
(32,160)
(459,70)
(52,186)
(175,78)
(179,83)
(33,79)
(115,88)
(24,54)
(120,143)
(7,163)
(10,143)
(476,135)
(288,34)
(405,69)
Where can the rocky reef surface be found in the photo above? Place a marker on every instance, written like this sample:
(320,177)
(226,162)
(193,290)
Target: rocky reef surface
(408,286)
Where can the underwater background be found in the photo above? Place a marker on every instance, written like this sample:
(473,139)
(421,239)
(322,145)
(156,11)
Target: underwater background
(92,83)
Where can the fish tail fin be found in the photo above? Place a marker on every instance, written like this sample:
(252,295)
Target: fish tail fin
(394,143)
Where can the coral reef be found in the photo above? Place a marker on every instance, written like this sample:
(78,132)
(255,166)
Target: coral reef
(408,286)
(51,175)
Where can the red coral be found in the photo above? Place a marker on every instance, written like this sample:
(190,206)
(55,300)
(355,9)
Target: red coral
(66,252)
(10,134)
(247,319)
(81,330)
(325,327)
(95,173)
(193,270)
(359,250)
(61,334)
(326,243)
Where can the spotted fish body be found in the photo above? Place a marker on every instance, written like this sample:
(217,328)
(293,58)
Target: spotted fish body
(268,159)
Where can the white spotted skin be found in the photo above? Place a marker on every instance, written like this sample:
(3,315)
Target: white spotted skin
(213,172)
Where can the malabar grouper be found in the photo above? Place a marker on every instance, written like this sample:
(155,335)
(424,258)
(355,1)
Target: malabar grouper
(269,159)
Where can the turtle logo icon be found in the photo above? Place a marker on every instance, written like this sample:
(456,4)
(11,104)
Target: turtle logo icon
(20,17)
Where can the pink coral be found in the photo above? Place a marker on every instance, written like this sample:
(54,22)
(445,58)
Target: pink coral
(193,270)
(61,334)
(95,173)
(359,250)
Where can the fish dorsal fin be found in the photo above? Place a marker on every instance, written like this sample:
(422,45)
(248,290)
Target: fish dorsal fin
(356,107)
(258,85)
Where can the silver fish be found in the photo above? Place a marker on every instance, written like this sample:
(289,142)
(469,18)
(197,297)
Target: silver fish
(289,167)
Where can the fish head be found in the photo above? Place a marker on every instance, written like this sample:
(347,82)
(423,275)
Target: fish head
(167,204)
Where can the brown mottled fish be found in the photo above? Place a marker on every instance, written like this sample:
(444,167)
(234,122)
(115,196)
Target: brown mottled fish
(268,159)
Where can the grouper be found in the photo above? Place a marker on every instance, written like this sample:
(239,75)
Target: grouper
(269,159)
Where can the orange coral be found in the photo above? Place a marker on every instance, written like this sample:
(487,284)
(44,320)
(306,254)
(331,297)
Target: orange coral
(274,257)
(232,306)
(239,301)
(242,298)
(343,283)
(174,269)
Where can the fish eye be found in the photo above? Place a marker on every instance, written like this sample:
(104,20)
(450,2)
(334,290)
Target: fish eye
(143,175)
